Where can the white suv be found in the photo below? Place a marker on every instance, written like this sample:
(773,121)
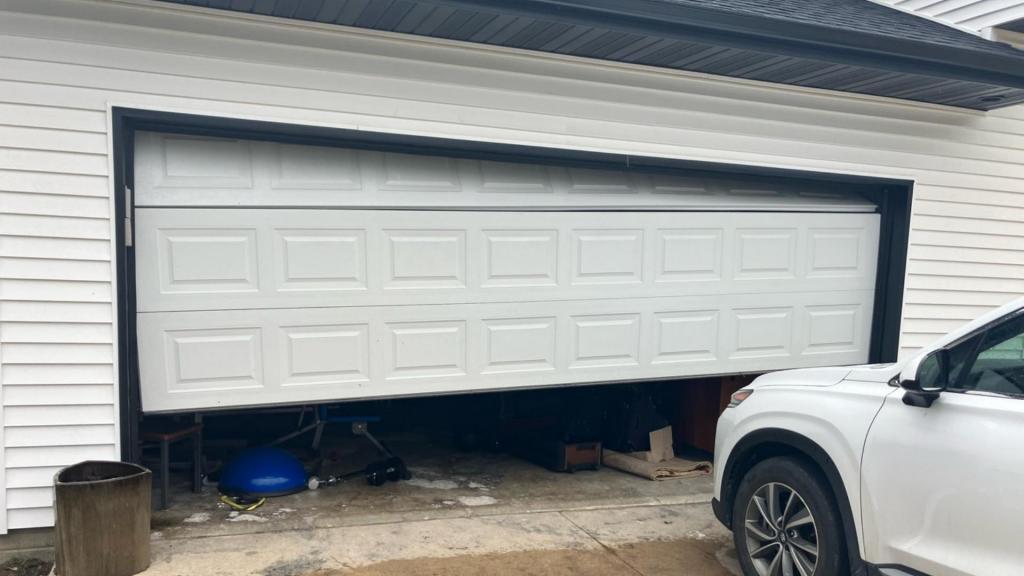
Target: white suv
(910,468)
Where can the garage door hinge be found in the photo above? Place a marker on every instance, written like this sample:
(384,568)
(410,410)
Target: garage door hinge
(128,239)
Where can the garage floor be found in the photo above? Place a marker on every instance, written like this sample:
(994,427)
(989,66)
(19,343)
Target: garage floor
(463,513)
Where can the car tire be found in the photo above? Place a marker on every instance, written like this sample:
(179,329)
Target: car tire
(805,528)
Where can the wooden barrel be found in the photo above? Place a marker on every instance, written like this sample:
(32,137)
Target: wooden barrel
(102,519)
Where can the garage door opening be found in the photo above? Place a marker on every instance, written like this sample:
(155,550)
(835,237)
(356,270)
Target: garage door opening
(474,454)
(268,267)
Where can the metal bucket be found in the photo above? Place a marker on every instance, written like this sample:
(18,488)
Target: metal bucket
(102,519)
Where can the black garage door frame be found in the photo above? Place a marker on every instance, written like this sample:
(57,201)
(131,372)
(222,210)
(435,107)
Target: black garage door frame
(893,198)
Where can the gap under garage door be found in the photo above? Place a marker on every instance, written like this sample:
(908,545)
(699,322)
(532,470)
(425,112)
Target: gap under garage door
(258,284)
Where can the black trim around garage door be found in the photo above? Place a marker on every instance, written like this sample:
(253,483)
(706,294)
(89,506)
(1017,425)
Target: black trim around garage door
(892,197)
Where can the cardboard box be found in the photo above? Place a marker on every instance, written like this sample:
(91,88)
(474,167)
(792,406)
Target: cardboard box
(661,447)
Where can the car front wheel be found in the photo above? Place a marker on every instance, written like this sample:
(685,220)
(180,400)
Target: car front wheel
(784,522)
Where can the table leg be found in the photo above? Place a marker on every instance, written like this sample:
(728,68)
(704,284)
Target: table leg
(165,472)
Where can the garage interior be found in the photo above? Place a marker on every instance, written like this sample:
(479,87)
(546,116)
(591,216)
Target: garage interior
(473,303)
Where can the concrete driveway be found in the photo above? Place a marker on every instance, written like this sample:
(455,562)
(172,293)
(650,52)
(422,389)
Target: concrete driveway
(653,540)
(461,514)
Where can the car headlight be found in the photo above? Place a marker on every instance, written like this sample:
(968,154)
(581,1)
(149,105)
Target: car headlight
(739,396)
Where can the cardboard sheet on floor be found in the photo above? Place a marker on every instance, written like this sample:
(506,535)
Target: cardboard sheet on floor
(673,468)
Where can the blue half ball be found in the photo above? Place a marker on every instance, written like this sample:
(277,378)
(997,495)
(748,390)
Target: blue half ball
(262,472)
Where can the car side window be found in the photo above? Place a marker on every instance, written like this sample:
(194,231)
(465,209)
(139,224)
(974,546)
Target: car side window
(998,365)
(959,358)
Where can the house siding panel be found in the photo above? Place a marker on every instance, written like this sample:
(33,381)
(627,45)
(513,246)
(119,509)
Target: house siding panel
(60,76)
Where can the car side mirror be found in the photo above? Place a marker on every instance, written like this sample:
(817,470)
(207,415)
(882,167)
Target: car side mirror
(929,380)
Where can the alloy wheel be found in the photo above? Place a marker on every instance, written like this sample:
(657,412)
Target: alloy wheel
(782,536)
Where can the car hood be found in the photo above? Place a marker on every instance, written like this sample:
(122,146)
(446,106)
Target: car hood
(803,377)
(829,376)
(874,372)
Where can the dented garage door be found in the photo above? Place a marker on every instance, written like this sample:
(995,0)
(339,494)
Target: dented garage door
(275,274)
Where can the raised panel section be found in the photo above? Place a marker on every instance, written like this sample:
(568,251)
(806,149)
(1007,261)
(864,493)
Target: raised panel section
(606,340)
(319,305)
(689,255)
(518,345)
(686,336)
(608,256)
(328,354)
(508,177)
(338,353)
(425,258)
(426,349)
(225,359)
(832,329)
(835,253)
(765,253)
(205,163)
(520,258)
(670,184)
(321,259)
(605,181)
(762,332)
(219,172)
(208,260)
(315,168)
(409,172)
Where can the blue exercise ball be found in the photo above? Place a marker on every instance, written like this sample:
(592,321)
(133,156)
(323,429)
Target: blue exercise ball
(262,472)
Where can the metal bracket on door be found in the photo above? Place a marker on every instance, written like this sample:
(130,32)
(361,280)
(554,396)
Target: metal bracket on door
(128,239)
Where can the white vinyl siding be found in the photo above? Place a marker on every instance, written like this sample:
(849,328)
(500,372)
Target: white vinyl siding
(60,75)
(56,302)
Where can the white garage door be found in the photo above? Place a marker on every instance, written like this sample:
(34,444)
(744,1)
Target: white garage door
(271,274)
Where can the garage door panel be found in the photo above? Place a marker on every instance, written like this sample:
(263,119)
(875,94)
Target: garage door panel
(208,260)
(196,360)
(520,258)
(176,170)
(518,345)
(319,259)
(271,273)
(688,254)
(213,359)
(325,354)
(190,259)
